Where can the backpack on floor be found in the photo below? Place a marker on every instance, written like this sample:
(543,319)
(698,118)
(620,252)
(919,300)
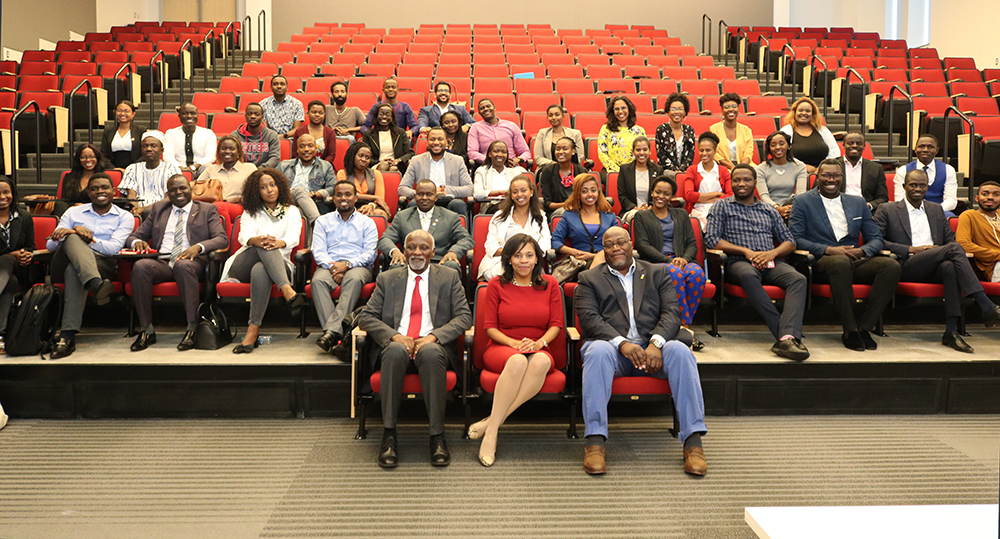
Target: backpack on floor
(35,320)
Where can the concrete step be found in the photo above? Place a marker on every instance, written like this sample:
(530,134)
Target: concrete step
(50,176)
(53,160)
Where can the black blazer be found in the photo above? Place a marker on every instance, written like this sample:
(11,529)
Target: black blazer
(400,148)
(649,236)
(109,135)
(626,183)
(893,219)
(603,310)
(873,186)
(551,184)
(22,233)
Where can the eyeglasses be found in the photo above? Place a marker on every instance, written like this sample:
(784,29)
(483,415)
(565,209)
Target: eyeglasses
(676,109)
(833,176)
(730,106)
(619,244)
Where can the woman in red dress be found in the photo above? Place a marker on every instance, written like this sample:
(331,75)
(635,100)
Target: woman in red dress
(519,336)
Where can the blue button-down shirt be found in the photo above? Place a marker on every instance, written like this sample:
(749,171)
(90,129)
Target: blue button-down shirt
(757,226)
(633,332)
(110,230)
(353,240)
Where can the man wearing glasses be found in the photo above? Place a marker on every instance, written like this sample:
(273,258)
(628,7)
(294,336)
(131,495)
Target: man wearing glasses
(631,327)
(831,225)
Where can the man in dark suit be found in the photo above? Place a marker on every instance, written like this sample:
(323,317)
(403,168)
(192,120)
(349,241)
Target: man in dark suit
(631,327)
(862,178)
(414,318)
(828,224)
(451,239)
(917,231)
(183,231)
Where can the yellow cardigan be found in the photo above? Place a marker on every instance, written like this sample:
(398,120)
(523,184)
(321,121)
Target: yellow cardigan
(744,143)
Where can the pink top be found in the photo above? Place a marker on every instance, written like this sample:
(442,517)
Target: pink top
(482,134)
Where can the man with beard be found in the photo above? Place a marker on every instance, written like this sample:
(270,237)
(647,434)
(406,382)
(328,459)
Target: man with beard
(189,146)
(311,179)
(83,245)
(430,116)
(861,177)
(343,246)
(979,231)
(282,112)
(147,179)
(260,143)
(346,121)
(452,240)
(445,169)
(414,318)
(918,233)
(483,133)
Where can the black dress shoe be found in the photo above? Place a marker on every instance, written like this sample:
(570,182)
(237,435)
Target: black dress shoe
(440,456)
(991,316)
(387,453)
(244,348)
(187,342)
(296,304)
(103,293)
(866,338)
(143,341)
(696,345)
(342,352)
(791,348)
(62,348)
(954,340)
(327,340)
(852,341)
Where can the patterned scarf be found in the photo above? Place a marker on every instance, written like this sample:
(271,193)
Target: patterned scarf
(277,214)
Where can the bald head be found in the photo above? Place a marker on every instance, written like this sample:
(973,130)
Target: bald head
(305,146)
(618,248)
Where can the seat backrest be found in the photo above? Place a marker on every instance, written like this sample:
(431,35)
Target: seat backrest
(480,229)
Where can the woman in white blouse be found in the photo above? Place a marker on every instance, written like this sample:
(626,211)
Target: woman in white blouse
(121,142)
(269,229)
(520,213)
(494,177)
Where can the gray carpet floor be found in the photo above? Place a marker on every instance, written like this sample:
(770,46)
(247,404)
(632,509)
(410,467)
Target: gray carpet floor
(309,478)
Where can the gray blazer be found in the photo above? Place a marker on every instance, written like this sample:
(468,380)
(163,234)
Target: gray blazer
(446,228)
(893,219)
(449,310)
(458,183)
(542,148)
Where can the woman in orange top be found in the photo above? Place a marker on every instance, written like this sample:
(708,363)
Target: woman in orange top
(371,188)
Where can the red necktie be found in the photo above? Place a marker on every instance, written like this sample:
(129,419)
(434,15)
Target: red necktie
(416,312)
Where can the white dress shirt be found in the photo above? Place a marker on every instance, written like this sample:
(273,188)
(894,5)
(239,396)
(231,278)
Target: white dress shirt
(949,198)
(425,218)
(426,324)
(203,142)
(838,219)
(437,174)
(633,333)
(920,227)
(852,177)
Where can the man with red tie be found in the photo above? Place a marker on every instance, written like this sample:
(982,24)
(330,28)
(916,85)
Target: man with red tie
(414,318)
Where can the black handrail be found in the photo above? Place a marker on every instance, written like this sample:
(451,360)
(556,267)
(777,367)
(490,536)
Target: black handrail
(128,81)
(847,95)
(38,141)
(794,74)
(246,36)
(826,80)
(90,118)
(205,51)
(180,62)
(909,128)
(724,51)
(767,60)
(152,103)
(703,17)
(261,31)
(970,183)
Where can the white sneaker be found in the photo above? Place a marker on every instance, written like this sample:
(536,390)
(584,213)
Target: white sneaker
(3,418)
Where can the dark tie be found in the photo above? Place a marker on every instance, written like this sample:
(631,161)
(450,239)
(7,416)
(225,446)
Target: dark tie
(925,171)
(178,246)
(416,312)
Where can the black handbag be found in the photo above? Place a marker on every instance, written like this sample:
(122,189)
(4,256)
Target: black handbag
(214,330)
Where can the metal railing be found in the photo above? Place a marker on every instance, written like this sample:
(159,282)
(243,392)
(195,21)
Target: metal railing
(72,118)
(970,181)
(703,17)
(38,141)
(794,71)
(246,38)
(128,81)
(152,102)
(724,51)
(180,62)
(826,79)
(909,127)
(767,60)
(261,31)
(209,40)
(847,98)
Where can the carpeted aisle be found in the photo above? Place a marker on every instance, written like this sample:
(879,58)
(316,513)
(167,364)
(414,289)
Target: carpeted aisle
(251,478)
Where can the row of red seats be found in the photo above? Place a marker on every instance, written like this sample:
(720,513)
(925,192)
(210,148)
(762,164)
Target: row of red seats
(652,37)
(494,54)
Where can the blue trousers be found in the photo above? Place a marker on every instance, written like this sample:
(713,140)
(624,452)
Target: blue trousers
(602,363)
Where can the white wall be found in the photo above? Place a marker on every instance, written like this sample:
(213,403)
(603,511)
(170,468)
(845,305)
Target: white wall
(122,12)
(966,28)
(862,15)
(252,8)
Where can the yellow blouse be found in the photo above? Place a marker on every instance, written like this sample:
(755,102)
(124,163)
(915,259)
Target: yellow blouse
(614,149)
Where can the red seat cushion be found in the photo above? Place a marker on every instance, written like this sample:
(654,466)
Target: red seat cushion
(166,289)
(735,290)
(555,382)
(709,291)
(366,291)
(411,383)
(921,290)
(242,290)
(824,291)
(639,385)
(992,289)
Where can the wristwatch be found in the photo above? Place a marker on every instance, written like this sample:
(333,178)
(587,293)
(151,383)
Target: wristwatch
(348,264)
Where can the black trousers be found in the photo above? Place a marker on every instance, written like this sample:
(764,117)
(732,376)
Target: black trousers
(948,265)
(841,273)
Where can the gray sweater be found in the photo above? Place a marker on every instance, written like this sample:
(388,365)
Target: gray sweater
(263,149)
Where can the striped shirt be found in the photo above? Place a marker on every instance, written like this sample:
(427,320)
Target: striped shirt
(758,227)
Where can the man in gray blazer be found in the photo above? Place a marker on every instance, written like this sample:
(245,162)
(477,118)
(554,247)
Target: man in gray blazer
(451,239)
(445,169)
(182,258)
(413,319)
(631,327)
(917,231)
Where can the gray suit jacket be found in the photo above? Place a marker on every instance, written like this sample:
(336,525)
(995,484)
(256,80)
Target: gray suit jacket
(602,307)
(893,219)
(446,228)
(204,226)
(458,183)
(449,310)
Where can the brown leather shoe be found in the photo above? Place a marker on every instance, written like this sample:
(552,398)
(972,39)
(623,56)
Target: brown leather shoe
(694,461)
(593,460)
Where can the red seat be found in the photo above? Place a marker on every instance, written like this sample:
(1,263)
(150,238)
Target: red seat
(211,102)
(663,62)
(558,72)
(981,106)
(969,89)
(768,105)
(260,70)
(582,103)
(681,73)
(239,85)
(964,75)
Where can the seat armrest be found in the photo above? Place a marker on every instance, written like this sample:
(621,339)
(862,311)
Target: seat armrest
(303,256)
(470,335)
(218,255)
(573,334)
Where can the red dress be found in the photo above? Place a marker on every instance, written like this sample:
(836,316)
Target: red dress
(519,312)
